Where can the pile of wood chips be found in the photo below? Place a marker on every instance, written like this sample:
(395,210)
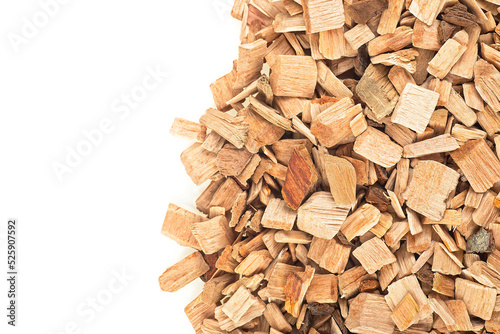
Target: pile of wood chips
(354,189)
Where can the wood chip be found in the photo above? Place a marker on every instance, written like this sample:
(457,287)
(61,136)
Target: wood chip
(183,272)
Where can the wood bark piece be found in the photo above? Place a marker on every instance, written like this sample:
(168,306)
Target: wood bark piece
(321,216)
(430,180)
(233,129)
(373,255)
(183,272)
(361,221)
(479,164)
(377,91)
(294,76)
(415,107)
(322,15)
(378,148)
(301,178)
(342,179)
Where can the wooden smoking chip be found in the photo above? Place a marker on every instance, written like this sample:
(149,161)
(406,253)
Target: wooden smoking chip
(487,81)
(322,15)
(199,163)
(177,226)
(233,129)
(332,125)
(373,255)
(479,300)
(183,272)
(295,290)
(478,163)
(369,313)
(329,254)
(415,107)
(321,216)
(448,55)
(430,180)
(403,58)
(426,11)
(395,41)
(270,114)
(378,148)
(223,91)
(376,91)
(361,221)
(294,76)
(301,178)
(189,130)
(406,313)
(440,144)
(342,180)
(278,215)
(213,235)
(249,63)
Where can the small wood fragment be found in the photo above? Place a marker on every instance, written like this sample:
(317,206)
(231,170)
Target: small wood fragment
(301,178)
(373,255)
(183,272)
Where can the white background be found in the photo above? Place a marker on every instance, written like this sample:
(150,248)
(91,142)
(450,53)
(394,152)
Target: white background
(106,214)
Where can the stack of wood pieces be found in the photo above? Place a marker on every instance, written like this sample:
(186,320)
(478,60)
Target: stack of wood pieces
(353,173)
